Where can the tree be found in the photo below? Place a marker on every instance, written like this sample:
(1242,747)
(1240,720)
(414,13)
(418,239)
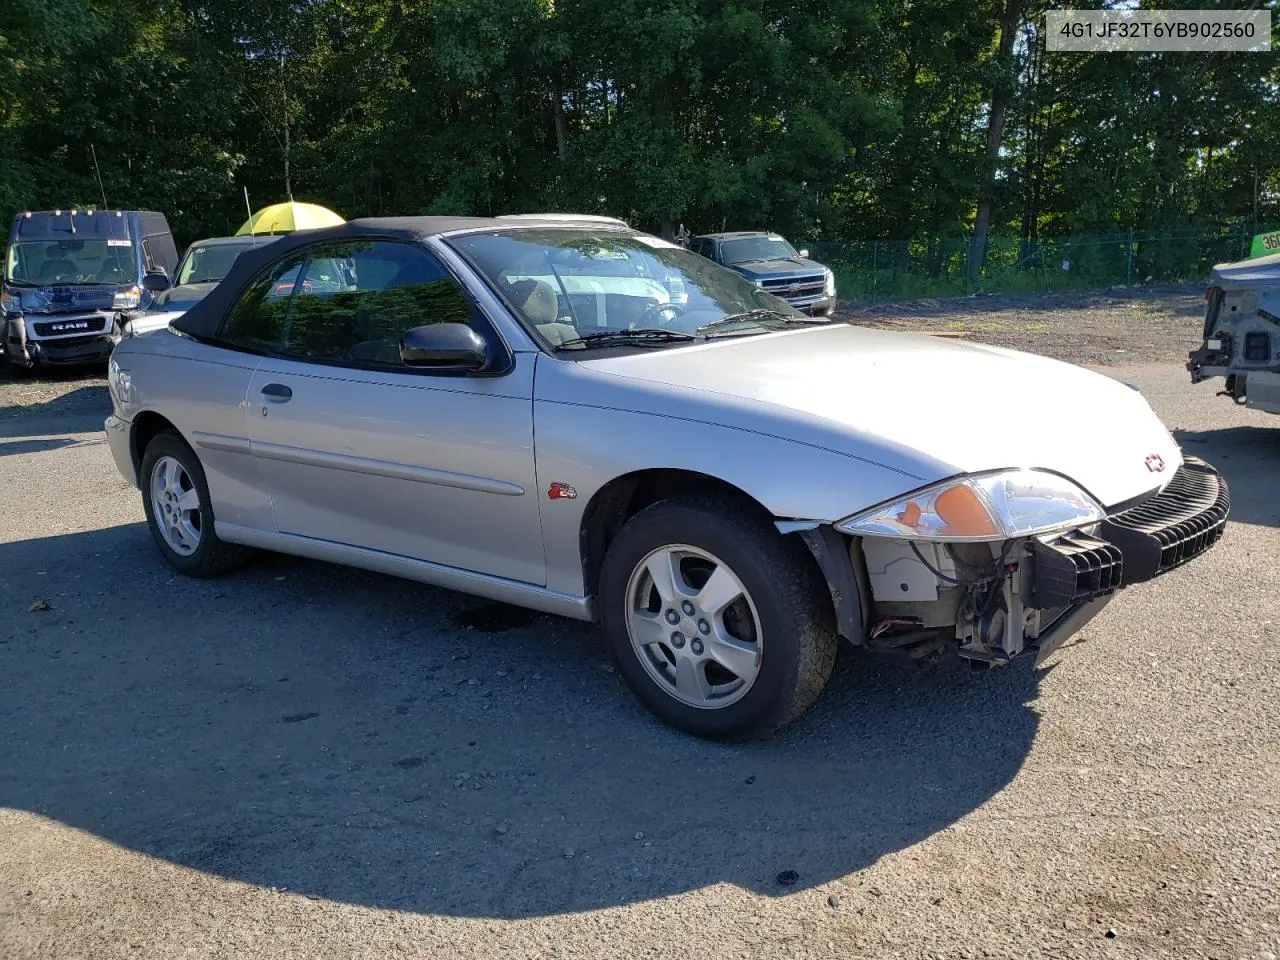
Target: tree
(845,119)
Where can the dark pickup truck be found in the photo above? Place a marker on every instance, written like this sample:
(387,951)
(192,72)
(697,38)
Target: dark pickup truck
(773,265)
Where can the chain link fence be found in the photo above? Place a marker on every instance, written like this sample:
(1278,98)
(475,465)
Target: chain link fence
(939,267)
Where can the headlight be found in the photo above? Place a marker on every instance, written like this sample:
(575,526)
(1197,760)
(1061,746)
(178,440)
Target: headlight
(119,384)
(993,506)
(830,289)
(127,299)
(10,302)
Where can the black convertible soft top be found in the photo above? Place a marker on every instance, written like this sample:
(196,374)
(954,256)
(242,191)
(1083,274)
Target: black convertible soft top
(205,317)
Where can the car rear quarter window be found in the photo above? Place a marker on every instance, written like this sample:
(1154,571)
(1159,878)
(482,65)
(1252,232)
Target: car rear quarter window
(256,319)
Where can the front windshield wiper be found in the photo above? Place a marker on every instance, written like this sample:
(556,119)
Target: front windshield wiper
(645,335)
(760,313)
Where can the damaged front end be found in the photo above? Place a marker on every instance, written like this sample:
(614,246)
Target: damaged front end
(993,599)
(1242,333)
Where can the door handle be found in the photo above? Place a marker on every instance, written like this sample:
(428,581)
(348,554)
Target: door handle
(277,393)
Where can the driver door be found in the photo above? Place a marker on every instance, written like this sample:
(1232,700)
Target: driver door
(362,451)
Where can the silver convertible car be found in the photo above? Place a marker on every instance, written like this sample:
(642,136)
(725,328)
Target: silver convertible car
(587,420)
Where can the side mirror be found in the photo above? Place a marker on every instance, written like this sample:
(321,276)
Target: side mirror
(445,348)
(804,254)
(156,282)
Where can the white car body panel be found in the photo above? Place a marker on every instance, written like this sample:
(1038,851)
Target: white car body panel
(149,321)
(888,397)
(433,469)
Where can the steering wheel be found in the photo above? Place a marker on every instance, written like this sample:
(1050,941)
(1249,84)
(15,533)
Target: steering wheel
(652,315)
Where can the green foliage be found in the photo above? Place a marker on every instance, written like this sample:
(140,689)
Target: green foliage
(851,120)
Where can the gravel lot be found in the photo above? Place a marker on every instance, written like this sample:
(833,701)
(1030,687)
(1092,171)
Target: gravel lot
(1122,325)
(304,761)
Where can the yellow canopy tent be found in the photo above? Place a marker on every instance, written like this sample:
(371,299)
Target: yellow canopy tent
(287,217)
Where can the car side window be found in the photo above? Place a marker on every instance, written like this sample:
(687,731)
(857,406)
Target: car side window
(256,320)
(162,253)
(355,299)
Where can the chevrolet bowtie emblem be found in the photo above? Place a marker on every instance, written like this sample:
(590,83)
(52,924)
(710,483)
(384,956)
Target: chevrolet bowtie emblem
(1155,463)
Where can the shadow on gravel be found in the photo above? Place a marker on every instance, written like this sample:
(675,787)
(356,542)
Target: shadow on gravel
(13,447)
(79,410)
(345,736)
(1249,458)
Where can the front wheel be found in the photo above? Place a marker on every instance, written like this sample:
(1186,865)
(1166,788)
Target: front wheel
(719,624)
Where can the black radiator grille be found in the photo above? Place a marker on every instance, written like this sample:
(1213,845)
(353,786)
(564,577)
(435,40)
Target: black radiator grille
(69,326)
(803,286)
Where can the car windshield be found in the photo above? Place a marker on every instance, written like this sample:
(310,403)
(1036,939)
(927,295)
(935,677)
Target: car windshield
(576,283)
(209,263)
(45,262)
(755,248)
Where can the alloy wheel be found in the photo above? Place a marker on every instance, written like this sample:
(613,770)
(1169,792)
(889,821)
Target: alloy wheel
(175,505)
(694,627)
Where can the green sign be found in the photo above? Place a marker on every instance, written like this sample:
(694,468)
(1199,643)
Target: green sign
(1265,244)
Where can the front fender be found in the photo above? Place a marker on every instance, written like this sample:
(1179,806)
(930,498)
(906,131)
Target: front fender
(586,447)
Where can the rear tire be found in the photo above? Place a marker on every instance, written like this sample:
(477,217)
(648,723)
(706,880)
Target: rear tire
(720,625)
(175,497)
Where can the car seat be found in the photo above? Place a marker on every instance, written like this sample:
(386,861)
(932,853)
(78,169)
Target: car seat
(373,345)
(53,269)
(110,270)
(383,314)
(537,300)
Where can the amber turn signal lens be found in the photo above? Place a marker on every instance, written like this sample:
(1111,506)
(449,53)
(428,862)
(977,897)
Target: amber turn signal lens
(964,514)
(910,514)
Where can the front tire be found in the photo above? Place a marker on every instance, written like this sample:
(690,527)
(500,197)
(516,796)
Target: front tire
(175,497)
(16,370)
(719,624)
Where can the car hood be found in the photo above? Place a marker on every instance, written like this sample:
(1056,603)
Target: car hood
(928,407)
(1258,272)
(783,267)
(182,297)
(66,298)
(151,320)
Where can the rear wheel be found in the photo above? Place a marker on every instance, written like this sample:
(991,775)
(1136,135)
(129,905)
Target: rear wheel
(175,497)
(719,624)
